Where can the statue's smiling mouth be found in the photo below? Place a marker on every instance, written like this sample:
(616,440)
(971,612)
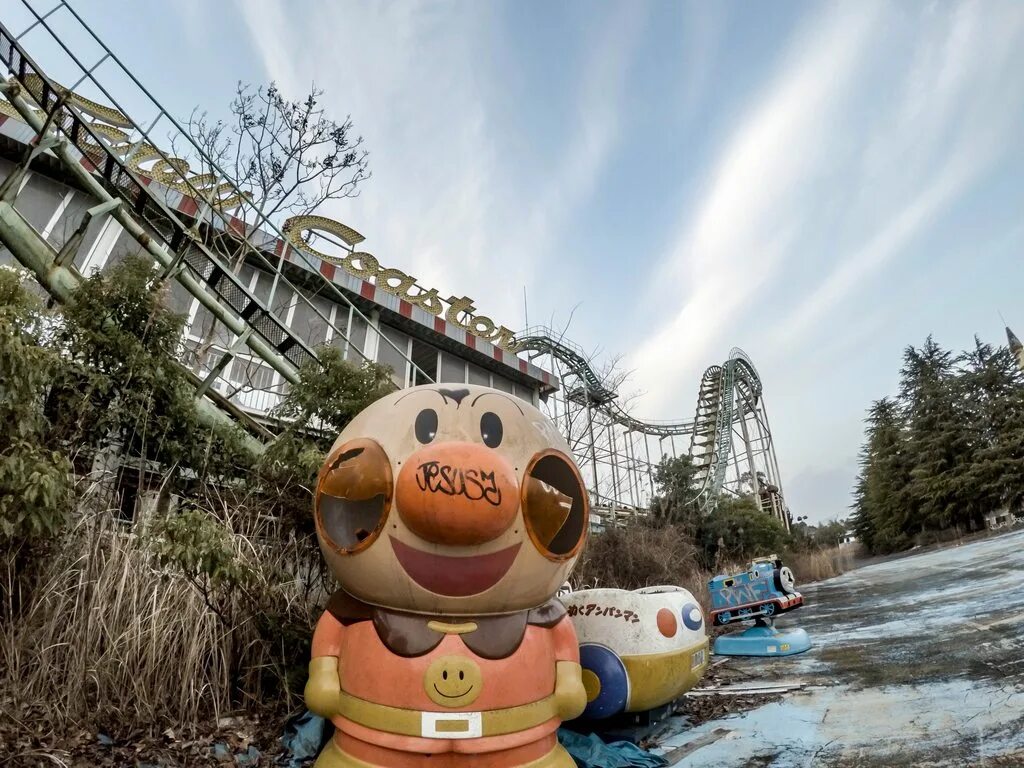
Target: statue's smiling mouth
(456,696)
(454,576)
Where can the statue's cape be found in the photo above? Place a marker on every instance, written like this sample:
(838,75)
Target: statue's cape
(409,634)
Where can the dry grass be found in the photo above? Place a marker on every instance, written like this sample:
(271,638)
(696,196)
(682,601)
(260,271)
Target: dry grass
(816,565)
(639,556)
(107,636)
(107,631)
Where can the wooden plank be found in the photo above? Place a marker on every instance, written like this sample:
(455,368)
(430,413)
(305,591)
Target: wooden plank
(679,753)
(755,688)
(747,690)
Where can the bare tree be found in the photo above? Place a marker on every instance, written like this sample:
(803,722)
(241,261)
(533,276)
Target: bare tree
(613,377)
(286,158)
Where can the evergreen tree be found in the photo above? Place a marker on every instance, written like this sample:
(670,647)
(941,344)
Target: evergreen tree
(738,530)
(948,451)
(882,503)
(993,390)
(938,445)
(860,521)
(676,502)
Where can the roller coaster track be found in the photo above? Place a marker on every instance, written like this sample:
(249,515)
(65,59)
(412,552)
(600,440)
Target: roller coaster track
(186,248)
(725,390)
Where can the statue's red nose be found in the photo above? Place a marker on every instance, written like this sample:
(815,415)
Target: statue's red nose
(458,494)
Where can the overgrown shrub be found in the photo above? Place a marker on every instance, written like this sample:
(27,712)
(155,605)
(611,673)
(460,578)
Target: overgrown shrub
(113,639)
(206,603)
(738,530)
(313,413)
(34,484)
(122,387)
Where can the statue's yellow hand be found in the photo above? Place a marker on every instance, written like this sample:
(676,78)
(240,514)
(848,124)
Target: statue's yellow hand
(323,689)
(570,695)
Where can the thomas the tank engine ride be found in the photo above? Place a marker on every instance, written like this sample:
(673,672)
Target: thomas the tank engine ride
(764,590)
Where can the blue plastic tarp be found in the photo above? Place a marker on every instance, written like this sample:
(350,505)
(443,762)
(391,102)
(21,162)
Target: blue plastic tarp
(304,737)
(590,752)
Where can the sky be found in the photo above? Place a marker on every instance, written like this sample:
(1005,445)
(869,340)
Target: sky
(819,184)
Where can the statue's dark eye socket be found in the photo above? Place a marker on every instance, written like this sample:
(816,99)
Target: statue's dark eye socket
(490,429)
(426,425)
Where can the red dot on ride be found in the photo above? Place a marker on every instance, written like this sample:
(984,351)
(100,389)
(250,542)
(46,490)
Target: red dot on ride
(667,623)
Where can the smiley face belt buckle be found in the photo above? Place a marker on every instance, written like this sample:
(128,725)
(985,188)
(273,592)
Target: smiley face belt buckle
(451,725)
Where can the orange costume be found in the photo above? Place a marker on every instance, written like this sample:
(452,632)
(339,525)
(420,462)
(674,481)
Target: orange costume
(445,646)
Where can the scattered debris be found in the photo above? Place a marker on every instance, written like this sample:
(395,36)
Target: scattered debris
(28,740)
(702,709)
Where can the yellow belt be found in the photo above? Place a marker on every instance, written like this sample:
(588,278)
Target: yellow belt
(446,725)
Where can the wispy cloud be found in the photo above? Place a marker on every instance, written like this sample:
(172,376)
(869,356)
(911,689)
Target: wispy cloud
(872,128)
(955,117)
(752,208)
(448,202)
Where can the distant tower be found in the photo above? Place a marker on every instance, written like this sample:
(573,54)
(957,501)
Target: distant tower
(1016,348)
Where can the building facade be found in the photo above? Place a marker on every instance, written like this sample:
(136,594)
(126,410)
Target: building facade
(374,324)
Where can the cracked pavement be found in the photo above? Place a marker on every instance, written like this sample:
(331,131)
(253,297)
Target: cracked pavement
(916,661)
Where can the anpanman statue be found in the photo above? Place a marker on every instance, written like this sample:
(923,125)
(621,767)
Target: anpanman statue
(450,515)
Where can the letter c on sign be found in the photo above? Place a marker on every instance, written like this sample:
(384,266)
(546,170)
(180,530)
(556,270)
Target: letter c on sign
(296,225)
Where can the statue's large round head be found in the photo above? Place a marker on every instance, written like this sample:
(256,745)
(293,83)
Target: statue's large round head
(451,499)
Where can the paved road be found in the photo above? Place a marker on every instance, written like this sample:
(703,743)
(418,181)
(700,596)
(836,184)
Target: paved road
(917,661)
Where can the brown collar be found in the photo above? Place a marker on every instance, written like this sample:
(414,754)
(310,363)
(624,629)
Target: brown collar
(411,634)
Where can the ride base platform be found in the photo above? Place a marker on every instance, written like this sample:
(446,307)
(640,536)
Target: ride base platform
(763,639)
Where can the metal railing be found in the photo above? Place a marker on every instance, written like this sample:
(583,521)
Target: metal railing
(183,242)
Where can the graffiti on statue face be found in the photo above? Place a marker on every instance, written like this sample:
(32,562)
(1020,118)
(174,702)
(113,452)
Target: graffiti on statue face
(475,485)
(593,609)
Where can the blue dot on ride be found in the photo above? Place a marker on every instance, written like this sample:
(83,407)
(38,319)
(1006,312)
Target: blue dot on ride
(692,617)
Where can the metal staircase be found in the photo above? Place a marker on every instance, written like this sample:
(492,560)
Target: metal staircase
(181,244)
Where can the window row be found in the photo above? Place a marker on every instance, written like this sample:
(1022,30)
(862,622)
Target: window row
(393,348)
(318,321)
